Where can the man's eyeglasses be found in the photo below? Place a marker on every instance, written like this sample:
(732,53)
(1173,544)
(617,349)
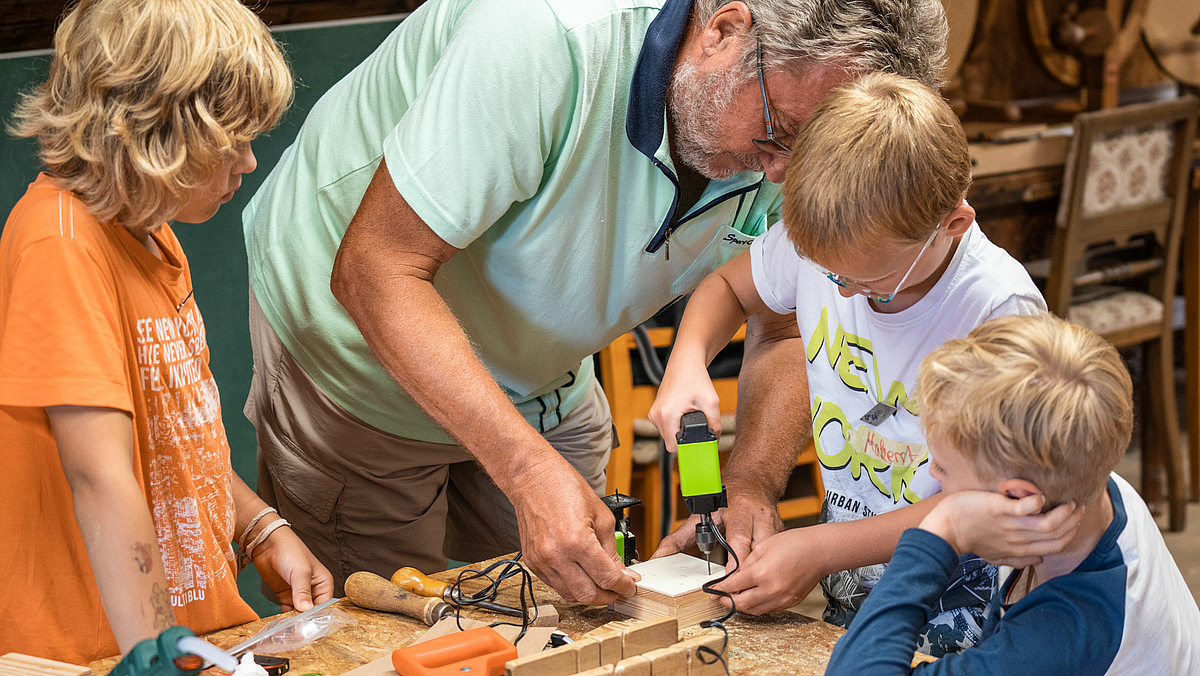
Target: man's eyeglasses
(770,144)
(860,288)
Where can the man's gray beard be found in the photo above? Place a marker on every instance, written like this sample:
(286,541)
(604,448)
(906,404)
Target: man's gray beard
(698,100)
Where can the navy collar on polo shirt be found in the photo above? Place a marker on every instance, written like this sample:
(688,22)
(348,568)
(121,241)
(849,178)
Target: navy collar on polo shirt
(645,117)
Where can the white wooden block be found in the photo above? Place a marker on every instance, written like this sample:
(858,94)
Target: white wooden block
(671,587)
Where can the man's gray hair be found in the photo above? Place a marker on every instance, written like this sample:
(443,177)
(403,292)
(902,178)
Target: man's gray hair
(906,37)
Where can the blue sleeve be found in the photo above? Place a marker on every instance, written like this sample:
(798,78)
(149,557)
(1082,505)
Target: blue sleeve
(1051,632)
(884,634)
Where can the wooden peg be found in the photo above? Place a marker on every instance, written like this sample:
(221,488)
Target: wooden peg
(611,639)
(637,665)
(671,661)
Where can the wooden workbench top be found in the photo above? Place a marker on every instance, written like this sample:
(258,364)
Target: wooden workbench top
(779,643)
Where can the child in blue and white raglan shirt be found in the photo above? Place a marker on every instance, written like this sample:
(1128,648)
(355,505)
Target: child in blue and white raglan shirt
(1033,409)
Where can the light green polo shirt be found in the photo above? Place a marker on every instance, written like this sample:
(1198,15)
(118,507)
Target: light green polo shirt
(504,125)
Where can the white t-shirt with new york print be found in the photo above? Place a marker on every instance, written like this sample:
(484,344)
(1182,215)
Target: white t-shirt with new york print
(857,357)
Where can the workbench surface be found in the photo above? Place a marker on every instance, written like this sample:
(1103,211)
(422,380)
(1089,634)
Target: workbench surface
(778,643)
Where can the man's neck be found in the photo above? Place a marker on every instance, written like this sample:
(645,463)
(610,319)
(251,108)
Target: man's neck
(1096,518)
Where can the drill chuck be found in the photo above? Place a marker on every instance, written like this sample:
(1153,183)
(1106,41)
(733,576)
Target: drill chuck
(705,538)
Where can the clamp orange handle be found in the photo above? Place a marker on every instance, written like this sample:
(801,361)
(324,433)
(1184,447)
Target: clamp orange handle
(475,651)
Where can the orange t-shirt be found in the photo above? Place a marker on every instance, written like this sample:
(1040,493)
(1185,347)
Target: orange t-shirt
(89,317)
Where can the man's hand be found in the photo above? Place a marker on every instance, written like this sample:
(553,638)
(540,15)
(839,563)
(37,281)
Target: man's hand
(1002,530)
(568,535)
(778,574)
(292,572)
(746,523)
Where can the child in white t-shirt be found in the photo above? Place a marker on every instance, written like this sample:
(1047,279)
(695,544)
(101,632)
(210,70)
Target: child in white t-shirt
(879,257)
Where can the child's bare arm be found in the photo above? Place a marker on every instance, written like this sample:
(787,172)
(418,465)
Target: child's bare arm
(786,567)
(95,446)
(715,311)
(285,563)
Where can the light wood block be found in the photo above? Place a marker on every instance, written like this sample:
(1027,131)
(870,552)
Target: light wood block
(671,661)
(555,662)
(696,665)
(604,670)
(587,653)
(642,637)
(638,665)
(18,664)
(611,641)
(671,587)
(547,616)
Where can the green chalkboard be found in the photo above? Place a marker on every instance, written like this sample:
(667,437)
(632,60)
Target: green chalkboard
(320,54)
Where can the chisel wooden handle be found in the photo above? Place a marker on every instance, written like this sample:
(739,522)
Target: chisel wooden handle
(419,583)
(369,590)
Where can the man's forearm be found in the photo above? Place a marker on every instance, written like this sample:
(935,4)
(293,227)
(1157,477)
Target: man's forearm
(419,342)
(383,276)
(773,421)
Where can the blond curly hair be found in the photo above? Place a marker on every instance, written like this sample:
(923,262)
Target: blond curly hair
(146,98)
(1034,398)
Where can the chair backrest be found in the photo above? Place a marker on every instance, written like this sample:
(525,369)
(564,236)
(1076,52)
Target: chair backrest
(1126,178)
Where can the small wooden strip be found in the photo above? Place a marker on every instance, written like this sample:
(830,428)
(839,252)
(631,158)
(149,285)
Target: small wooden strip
(611,641)
(18,664)
(697,664)
(587,653)
(638,665)
(671,661)
(555,662)
(642,637)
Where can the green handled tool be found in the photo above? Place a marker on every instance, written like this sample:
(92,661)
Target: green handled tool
(700,476)
(175,652)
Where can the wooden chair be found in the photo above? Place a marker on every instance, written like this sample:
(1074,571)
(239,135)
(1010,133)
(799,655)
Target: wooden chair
(630,405)
(1116,256)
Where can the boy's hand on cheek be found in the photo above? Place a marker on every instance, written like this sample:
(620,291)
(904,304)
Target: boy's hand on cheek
(1002,530)
(778,574)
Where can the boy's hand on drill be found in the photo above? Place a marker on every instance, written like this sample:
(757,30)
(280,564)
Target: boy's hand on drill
(1002,530)
(684,388)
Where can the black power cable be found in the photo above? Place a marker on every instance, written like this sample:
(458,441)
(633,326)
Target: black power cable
(508,568)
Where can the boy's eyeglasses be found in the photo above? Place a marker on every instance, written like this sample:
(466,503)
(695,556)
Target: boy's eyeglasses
(770,144)
(860,288)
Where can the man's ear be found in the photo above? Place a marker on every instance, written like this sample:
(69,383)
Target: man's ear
(726,28)
(959,220)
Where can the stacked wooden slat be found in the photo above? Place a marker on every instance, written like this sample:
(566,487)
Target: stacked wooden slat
(625,648)
(16,664)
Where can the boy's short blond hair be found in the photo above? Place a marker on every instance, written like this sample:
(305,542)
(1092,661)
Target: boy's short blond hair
(1033,398)
(146,98)
(882,159)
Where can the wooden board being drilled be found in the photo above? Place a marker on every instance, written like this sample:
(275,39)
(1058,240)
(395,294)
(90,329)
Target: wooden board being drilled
(671,587)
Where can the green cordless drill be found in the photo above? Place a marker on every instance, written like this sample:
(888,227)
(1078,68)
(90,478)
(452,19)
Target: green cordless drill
(700,476)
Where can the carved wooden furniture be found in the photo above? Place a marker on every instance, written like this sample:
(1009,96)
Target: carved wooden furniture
(1116,253)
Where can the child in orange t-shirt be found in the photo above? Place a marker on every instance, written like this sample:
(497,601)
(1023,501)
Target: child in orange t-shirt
(118,504)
